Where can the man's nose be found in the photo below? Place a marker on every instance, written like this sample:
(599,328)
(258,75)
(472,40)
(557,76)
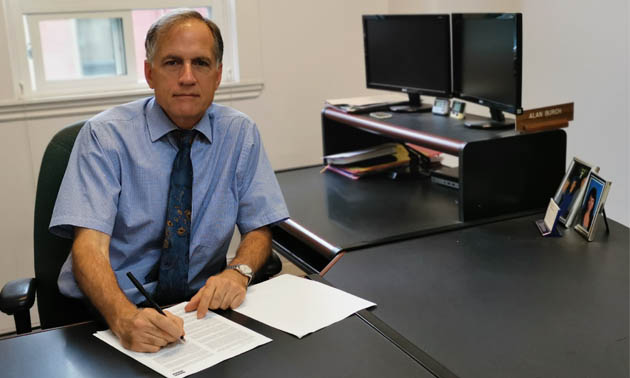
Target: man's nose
(186,76)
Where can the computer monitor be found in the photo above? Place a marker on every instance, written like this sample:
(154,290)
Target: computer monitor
(487,62)
(408,53)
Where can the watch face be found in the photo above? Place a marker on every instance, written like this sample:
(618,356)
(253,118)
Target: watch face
(242,268)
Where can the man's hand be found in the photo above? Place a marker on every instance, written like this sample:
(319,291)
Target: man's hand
(146,330)
(225,290)
(141,330)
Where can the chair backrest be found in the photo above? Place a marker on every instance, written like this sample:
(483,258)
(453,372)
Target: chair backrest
(51,251)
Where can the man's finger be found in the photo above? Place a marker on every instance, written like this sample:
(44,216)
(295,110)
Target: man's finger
(217,298)
(240,297)
(145,348)
(160,339)
(194,301)
(178,320)
(227,300)
(156,336)
(168,324)
(204,302)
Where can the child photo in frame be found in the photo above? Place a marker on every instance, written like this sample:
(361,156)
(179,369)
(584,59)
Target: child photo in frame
(569,194)
(592,205)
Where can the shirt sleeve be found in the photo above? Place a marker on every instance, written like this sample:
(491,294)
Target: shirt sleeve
(260,199)
(88,196)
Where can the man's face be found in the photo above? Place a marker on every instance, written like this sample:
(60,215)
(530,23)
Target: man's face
(184,73)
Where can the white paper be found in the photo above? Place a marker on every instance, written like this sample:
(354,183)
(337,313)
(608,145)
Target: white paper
(208,341)
(299,306)
(551,214)
(363,154)
(367,100)
(449,160)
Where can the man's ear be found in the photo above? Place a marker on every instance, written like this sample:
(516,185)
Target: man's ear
(148,72)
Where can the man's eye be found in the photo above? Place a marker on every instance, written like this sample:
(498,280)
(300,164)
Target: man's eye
(202,63)
(170,63)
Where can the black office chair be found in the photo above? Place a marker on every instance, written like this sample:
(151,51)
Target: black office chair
(50,251)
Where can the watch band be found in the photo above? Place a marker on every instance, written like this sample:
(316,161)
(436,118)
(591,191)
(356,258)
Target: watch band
(243,269)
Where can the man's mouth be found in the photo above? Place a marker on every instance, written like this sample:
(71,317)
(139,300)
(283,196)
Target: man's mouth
(185,95)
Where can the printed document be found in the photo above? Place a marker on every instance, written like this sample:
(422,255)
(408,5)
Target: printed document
(208,341)
(299,306)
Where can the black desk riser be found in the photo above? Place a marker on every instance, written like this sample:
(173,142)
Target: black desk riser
(349,348)
(500,172)
(499,300)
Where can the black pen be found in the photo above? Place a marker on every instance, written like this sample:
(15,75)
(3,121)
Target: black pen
(148,297)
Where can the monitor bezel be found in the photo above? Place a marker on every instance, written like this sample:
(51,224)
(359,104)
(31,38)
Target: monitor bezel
(400,88)
(456,63)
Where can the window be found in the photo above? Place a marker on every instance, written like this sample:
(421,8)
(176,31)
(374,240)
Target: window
(81,47)
(71,47)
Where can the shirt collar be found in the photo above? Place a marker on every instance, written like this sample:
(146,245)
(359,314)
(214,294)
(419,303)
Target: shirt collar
(160,125)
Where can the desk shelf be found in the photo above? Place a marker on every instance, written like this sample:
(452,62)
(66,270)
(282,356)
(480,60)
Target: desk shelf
(500,172)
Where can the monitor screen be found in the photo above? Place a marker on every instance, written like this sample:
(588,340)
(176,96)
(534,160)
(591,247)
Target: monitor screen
(487,52)
(409,53)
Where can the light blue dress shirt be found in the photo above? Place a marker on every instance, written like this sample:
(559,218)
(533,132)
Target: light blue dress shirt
(117,182)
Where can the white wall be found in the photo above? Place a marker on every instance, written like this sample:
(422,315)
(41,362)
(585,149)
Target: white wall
(311,51)
(453,6)
(577,51)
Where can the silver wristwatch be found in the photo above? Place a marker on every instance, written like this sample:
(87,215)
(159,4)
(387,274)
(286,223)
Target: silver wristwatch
(244,270)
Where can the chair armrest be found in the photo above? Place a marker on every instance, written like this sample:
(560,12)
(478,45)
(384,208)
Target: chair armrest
(17,295)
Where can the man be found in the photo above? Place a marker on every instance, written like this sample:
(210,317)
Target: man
(140,187)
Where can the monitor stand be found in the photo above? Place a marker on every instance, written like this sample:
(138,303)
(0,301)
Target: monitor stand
(415,105)
(497,121)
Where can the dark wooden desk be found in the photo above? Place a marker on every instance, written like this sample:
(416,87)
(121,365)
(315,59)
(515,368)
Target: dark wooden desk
(498,300)
(349,348)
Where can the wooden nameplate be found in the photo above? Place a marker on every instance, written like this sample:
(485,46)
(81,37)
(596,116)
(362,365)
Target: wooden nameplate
(547,118)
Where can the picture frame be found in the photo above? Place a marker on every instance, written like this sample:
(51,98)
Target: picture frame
(571,189)
(592,205)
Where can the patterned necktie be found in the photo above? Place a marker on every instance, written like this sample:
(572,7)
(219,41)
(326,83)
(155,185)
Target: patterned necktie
(172,284)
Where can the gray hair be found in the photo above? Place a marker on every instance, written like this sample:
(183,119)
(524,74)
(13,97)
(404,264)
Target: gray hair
(167,21)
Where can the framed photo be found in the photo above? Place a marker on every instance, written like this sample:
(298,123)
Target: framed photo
(592,205)
(572,187)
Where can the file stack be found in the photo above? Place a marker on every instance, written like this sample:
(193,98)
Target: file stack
(359,163)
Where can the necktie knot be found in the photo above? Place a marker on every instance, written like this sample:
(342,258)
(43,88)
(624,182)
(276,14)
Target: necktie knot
(184,138)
